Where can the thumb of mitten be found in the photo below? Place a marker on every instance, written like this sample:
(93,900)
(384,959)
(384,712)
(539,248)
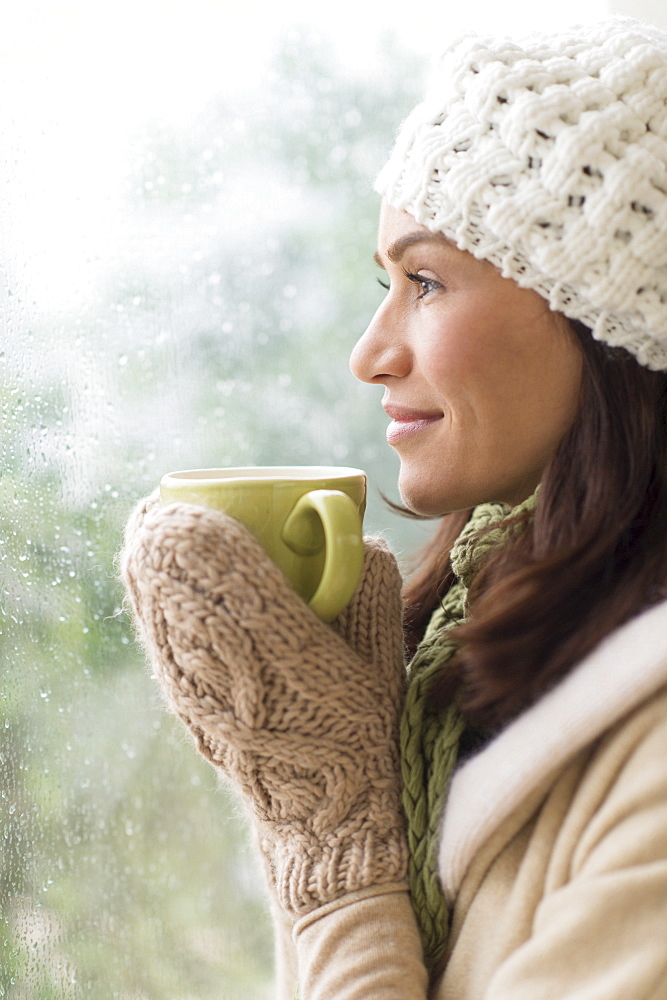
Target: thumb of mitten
(371,623)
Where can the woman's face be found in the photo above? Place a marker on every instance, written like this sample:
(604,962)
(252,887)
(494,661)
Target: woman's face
(481,378)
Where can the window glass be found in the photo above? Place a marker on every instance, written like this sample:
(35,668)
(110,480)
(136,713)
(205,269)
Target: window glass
(187,227)
(178,290)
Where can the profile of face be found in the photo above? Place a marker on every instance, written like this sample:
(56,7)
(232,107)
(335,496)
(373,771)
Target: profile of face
(481,378)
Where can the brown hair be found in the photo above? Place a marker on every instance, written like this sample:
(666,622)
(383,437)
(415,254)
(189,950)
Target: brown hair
(595,555)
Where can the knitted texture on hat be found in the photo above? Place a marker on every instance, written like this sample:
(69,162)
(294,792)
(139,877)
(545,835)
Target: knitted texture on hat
(548,158)
(301,717)
(430,736)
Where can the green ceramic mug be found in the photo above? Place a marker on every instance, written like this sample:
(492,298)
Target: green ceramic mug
(307,518)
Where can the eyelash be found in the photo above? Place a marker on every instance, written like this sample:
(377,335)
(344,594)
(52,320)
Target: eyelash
(427,284)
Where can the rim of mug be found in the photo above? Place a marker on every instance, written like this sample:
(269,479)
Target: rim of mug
(261,473)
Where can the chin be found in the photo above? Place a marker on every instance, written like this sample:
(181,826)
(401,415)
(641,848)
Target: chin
(426,502)
(434,499)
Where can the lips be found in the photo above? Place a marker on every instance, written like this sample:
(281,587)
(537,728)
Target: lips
(406,421)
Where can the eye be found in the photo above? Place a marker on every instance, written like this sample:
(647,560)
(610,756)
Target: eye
(385,284)
(427,285)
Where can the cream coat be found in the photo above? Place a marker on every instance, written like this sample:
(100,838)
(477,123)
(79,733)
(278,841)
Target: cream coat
(553,856)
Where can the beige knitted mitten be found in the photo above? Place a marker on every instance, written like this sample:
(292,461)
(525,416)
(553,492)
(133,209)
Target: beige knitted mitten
(302,717)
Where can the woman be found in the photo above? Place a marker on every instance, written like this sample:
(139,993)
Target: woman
(517,783)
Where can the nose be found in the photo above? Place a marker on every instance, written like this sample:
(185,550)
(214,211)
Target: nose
(382,351)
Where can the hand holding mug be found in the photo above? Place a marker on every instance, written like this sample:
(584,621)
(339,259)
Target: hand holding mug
(300,717)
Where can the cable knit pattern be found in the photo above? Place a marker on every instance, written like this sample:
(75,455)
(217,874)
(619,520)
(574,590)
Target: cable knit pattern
(302,717)
(548,157)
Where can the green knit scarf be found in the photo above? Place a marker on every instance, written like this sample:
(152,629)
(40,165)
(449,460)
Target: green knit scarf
(430,736)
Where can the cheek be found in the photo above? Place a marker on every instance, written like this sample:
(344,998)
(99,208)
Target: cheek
(471,364)
(450,352)
(505,381)
(533,396)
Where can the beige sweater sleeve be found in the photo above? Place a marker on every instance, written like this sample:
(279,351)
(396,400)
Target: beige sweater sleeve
(363,947)
(285,970)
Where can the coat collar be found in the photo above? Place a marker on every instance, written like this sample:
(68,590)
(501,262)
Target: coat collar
(625,669)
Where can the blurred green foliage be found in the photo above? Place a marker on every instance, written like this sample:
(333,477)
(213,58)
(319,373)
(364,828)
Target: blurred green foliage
(220,336)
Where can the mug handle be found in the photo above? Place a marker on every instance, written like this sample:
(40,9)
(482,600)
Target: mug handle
(337,515)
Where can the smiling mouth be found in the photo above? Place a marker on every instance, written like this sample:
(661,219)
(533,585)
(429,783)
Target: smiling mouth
(406,422)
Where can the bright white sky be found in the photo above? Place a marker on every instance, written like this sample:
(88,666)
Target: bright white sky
(76,73)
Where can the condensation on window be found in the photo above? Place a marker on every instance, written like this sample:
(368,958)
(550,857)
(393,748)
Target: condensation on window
(184,272)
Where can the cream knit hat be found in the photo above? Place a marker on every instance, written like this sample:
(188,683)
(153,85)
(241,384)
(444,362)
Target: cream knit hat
(548,158)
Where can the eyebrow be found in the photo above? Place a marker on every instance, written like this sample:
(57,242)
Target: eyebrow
(396,249)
